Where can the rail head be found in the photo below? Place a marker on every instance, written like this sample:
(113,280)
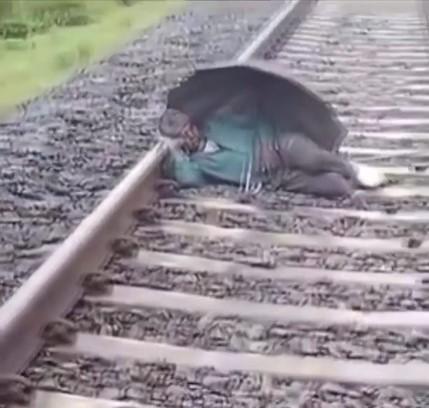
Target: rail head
(56,285)
(280,27)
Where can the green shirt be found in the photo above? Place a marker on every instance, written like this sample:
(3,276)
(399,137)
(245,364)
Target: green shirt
(237,137)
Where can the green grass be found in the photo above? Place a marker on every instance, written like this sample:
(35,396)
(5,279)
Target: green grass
(31,65)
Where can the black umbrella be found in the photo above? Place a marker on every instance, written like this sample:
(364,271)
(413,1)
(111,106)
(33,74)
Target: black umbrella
(286,102)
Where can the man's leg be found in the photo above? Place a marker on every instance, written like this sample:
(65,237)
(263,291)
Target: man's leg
(326,184)
(300,152)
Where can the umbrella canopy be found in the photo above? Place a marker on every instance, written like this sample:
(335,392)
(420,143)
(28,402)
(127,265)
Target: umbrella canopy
(284,101)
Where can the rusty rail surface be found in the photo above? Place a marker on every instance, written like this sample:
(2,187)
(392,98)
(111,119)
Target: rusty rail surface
(55,287)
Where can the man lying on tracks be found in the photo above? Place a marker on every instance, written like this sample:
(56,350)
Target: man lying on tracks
(239,148)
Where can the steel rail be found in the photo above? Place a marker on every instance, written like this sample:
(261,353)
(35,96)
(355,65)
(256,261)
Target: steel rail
(56,285)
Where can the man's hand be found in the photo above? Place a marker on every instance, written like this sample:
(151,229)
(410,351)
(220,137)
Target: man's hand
(269,158)
(191,139)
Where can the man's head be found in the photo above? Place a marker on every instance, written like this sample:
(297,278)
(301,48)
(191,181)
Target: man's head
(177,125)
(173,123)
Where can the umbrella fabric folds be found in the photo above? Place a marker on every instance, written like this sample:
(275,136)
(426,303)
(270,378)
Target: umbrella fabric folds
(288,105)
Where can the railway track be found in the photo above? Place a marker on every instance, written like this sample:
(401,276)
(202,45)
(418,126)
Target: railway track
(203,300)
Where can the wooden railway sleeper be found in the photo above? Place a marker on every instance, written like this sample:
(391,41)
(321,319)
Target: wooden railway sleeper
(60,331)
(419,168)
(15,389)
(414,241)
(213,217)
(267,260)
(391,209)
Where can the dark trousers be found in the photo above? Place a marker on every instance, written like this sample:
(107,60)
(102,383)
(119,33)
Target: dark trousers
(313,170)
(326,184)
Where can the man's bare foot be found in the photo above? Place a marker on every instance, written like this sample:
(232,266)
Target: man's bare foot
(367,176)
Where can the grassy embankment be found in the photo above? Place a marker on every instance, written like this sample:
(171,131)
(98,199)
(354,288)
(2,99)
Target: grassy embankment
(43,41)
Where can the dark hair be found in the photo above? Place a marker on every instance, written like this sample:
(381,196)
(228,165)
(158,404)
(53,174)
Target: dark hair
(172,122)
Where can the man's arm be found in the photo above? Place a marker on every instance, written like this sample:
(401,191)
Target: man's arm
(185,171)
